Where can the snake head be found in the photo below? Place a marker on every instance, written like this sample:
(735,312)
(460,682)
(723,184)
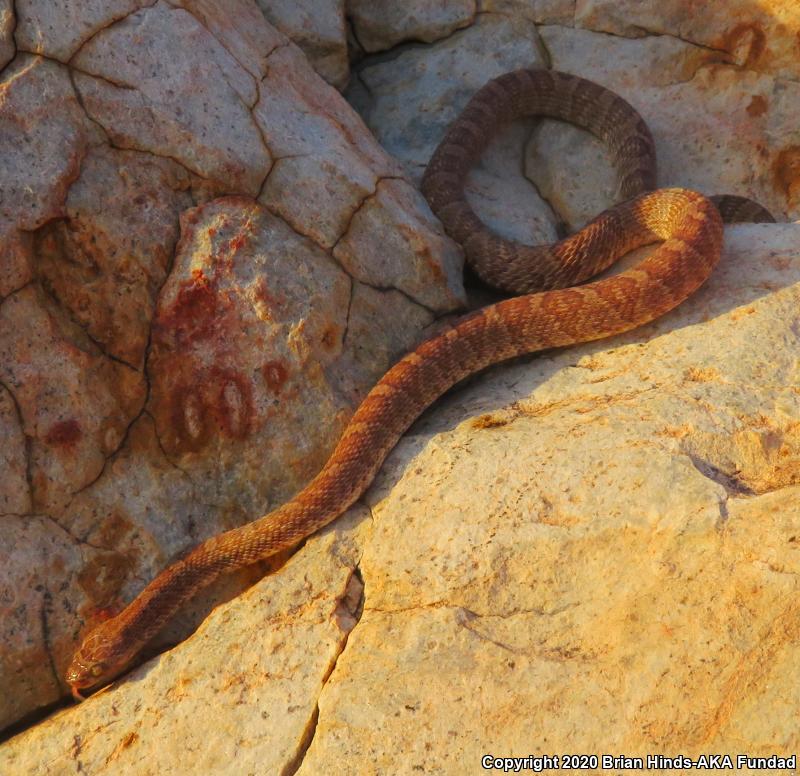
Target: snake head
(94,662)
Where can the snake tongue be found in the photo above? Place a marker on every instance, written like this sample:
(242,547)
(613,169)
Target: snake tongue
(77,695)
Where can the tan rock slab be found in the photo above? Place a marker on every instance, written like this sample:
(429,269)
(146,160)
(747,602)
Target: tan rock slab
(596,545)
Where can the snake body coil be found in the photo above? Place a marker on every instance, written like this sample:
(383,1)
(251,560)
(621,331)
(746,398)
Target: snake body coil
(547,314)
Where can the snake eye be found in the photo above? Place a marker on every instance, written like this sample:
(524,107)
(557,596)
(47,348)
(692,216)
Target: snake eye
(97,669)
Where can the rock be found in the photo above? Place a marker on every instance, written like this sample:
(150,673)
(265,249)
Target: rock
(108,258)
(383,227)
(58,30)
(718,129)
(379,24)
(159,386)
(539,11)
(601,527)
(7,23)
(756,36)
(266,676)
(75,402)
(610,526)
(146,102)
(318,28)
(42,151)
(409,100)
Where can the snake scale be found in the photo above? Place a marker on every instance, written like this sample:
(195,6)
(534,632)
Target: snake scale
(550,310)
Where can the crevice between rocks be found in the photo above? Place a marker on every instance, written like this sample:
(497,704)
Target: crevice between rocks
(734,488)
(46,607)
(353,604)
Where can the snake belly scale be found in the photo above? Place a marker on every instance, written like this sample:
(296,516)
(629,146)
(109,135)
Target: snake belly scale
(549,311)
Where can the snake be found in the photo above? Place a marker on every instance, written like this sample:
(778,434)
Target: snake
(552,305)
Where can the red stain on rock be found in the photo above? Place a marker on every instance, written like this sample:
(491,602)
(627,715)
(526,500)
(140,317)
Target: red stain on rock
(757,107)
(237,243)
(786,172)
(65,433)
(233,405)
(746,42)
(189,428)
(275,374)
(193,314)
(330,336)
(219,403)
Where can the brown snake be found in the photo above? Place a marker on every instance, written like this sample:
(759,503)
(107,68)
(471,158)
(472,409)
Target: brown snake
(687,223)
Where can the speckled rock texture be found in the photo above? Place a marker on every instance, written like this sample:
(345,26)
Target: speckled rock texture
(206,261)
(190,222)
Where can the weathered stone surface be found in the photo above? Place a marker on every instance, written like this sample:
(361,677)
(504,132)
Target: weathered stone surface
(315,135)
(611,525)
(410,100)
(108,259)
(8,21)
(239,26)
(387,225)
(387,310)
(539,11)
(265,676)
(43,143)
(76,403)
(34,584)
(135,425)
(247,329)
(15,492)
(59,29)
(718,128)
(607,527)
(758,36)
(146,102)
(318,28)
(381,24)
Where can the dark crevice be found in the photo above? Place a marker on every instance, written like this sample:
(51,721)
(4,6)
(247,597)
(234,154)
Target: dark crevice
(46,609)
(352,602)
(349,309)
(356,52)
(733,486)
(305,742)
